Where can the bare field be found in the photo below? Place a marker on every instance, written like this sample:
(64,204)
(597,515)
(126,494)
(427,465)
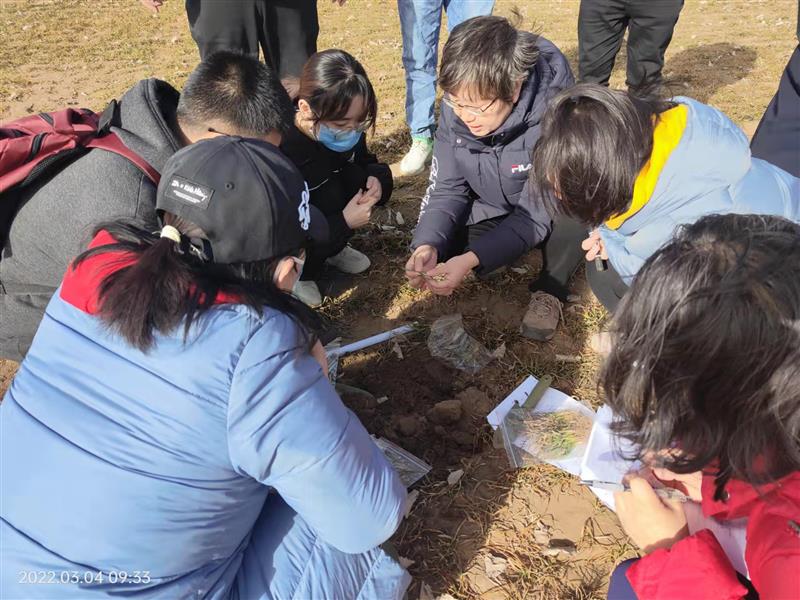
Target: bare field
(487,535)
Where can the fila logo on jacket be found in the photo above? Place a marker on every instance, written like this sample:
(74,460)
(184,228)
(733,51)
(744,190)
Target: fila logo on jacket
(520,168)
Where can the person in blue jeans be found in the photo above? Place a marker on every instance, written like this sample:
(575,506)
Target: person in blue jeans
(420,23)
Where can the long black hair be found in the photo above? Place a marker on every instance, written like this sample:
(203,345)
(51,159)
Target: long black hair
(169,283)
(331,80)
(706,357)
(594,143)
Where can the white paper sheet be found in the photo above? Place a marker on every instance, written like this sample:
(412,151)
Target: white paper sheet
(731,535)
(553,400)
(602,461)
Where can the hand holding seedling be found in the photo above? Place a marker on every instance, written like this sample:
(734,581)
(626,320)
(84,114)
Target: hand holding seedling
(594,246)
(373,190)
(446,277)
(422,260)
(651,522)
(358,211)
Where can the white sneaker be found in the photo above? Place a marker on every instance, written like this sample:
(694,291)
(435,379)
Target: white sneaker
(308,293)
(417,158)
(350,261)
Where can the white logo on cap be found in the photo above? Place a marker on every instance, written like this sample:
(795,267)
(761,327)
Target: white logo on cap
(303,209)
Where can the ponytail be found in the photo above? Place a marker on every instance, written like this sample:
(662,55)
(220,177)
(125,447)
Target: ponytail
(169,283)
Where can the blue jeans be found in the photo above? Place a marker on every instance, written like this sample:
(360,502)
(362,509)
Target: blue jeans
(420,22)
(619,588)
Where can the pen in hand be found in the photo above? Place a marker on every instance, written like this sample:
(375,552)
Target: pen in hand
(665,493)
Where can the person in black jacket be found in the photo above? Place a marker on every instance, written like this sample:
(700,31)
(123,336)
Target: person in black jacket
(777,138)
(336,105)
(479,212)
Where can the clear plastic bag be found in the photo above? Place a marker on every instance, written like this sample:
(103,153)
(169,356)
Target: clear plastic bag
(410,468)
(530,437)
(449,342)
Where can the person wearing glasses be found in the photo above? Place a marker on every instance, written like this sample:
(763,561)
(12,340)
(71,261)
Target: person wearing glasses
(479,212)
(335,107)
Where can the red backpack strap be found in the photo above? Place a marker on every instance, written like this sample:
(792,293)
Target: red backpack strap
(106,140)
(112,143)
(34,145)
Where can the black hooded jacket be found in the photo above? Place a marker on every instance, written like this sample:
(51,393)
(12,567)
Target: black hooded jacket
(334,178)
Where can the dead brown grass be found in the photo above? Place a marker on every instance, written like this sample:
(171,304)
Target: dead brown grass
(726,52)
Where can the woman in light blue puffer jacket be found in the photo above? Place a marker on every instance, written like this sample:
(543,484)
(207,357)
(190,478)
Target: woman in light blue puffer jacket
(635,169)
(171,434)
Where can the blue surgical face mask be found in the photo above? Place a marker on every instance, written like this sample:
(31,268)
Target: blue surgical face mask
(336,139)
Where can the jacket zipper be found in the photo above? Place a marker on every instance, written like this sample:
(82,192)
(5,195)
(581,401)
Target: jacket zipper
(35,146)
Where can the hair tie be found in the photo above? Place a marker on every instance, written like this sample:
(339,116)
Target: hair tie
(170,232)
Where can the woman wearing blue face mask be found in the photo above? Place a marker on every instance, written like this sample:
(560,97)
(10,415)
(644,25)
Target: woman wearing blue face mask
(336,105)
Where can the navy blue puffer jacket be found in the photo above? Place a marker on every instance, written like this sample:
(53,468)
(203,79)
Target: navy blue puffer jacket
(474,179)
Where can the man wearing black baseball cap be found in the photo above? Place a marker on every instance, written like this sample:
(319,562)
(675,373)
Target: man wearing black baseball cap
(171,399)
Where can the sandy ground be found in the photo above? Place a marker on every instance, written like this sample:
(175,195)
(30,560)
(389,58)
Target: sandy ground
(495,533)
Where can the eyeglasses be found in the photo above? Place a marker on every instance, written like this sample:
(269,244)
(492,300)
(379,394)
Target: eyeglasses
(360,127)
(343,133)
(470,110)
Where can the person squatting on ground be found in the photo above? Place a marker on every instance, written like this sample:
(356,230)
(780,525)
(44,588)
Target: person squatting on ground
(335,107)
(226,94)
(633,169)
(420,24)
(175,403)
(479,212)
(704,378)
(601,27)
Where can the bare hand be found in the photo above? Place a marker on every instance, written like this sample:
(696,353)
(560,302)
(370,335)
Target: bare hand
(594,246)
(374,189)
(358,211)
(652,523)
(422,260)
(153,5)
(446,277)
(690,484)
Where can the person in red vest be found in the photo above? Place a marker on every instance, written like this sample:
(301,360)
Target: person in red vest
(704,378)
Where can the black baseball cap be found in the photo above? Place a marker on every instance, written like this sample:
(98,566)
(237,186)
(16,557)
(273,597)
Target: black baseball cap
(248,198)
